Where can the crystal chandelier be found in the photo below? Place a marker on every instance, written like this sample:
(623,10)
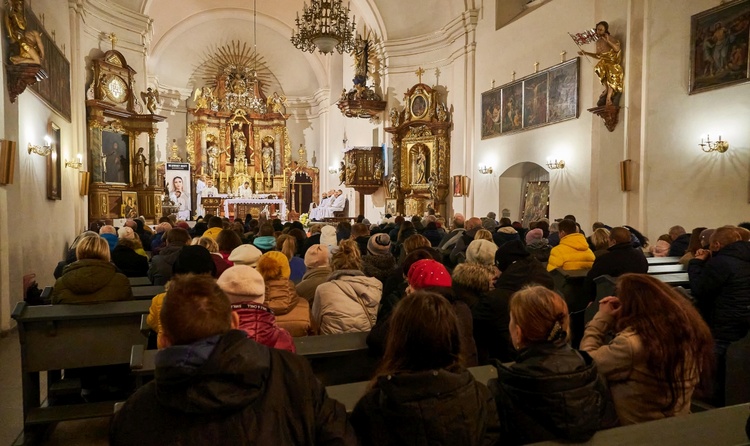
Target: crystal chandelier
(325,25)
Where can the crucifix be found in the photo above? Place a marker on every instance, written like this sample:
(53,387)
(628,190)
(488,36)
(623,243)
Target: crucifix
(112,38)
(419,74)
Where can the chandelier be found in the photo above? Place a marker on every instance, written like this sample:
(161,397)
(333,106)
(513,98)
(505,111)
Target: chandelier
(325,25)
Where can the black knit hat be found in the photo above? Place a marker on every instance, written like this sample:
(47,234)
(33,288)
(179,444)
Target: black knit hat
(194,259)
(509,252)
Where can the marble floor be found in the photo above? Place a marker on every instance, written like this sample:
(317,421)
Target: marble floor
(73,433)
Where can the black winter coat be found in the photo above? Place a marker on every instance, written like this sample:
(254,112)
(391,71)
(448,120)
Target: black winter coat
(679,245)
(160,270)
(129,262)
(551,392)
(243,393)
(433,407)
(721,287)
(618,260)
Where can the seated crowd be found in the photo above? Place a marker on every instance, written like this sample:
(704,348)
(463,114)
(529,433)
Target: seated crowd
(435,300)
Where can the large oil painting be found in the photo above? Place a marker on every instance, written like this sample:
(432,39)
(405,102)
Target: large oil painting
(535,202)
(563,91)
(535,101)
(719,40)
(115,157)
(492,106)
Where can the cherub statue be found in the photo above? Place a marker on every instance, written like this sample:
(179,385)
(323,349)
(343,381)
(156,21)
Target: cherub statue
(395,117)
(201,101)
(151,98)
(276,103)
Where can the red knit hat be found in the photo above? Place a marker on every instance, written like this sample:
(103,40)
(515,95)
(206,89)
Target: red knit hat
(426,273)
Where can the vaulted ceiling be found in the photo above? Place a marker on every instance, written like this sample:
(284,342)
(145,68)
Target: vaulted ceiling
(186,32)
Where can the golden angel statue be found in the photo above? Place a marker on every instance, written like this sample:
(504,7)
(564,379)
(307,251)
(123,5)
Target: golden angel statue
(200,99)
(151,99)
(276,103)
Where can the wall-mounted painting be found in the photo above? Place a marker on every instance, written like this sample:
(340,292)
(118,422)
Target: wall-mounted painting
(458,188)
(543,98)
(115,157)
(719,45)
(129,207)
(54,167)
(535,202)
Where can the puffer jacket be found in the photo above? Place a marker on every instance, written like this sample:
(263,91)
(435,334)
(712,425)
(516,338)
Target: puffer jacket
(160,270)
(348,302)
(435,407)
(258,321)
(572,253)
(551,392)
(311,280)
(292,313)
(90,281)
(231,391)
(379,267)
(721,285)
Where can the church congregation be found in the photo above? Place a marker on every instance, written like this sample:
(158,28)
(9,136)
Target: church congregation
(375,222)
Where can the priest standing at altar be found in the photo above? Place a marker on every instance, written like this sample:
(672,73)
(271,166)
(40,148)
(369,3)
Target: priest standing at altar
(245,191)
(208,191)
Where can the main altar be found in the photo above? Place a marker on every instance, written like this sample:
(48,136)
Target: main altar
(237,136)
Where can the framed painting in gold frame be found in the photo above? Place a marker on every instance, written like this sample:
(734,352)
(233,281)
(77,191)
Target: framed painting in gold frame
(54,167)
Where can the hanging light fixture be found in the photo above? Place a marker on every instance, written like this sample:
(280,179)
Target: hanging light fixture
(324,25)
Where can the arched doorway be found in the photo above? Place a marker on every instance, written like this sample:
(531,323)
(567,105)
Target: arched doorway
(514,184)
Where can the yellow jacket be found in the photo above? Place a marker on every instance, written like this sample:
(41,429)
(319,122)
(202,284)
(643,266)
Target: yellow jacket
(572,253)
(153,312)
(212,232)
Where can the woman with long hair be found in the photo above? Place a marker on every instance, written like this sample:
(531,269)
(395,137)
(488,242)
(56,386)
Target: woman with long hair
(422,394)
(287,245)
(661,351)
(552,391)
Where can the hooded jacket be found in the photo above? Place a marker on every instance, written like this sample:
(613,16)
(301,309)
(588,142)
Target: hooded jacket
(348,302)
(551,392)
(129,262)
(90,281)
(721,285)
(111,239)
(229,390)
(430,407)
(160,270)
(572,253)
(292,313)
(311,280)
(258,321)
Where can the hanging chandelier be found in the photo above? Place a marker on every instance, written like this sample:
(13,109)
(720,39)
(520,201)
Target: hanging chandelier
(324,25)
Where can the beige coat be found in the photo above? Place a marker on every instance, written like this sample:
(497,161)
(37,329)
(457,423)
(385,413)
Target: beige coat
(347,303)
(292,312)
(637,393)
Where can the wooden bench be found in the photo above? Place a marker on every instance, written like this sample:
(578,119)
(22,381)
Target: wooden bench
(139,281)
(571,285)
(662,260)
(350,394)
(716,427)
(335,359)
(667,269)
(737,390)
(57,337)
(675,279)
(147,292)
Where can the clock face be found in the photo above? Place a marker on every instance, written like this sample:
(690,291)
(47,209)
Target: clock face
(116,89)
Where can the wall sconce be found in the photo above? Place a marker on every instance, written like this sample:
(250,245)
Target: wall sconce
(485,170)
(333,170)
(44,150)
(714,146)
(555,164)
(75,164)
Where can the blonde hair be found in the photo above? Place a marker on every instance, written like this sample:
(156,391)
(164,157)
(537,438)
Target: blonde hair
(541,313)
(206,242)
(600,239)
(347,256)
(483,234)
(287,244)
(93,248)
(416,241)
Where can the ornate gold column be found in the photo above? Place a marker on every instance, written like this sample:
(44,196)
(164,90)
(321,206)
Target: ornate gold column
(152,157)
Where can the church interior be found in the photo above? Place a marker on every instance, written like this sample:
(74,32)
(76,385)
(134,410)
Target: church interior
(468,107)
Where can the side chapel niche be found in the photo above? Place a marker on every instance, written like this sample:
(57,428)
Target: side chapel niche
(123,177)
(421,153)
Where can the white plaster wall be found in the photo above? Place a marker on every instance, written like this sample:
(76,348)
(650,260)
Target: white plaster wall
(509,197)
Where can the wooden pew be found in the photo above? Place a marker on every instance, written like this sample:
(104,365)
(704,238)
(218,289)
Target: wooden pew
(667,269)
(349,394)
(57,337)
(147,292)
(737,390)
(335,359)
(139,281)
(570,285)
(663,260)
(675,279)
(716,427)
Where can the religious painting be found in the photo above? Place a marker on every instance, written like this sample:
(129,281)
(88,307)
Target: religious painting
(418,106)
(465,183)
(391,206)
(535,202)
(535,100)
(512,110)
(457,186)
(54,165)
(115,157)
(563,92)
(719,40)
(492,106)
(177,176)
(129,207)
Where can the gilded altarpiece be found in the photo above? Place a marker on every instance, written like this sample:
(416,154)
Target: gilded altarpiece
(419,179)
(114,123)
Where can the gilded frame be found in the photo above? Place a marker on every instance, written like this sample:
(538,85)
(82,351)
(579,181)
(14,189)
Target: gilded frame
(419,105)
(54,164)
(713,66)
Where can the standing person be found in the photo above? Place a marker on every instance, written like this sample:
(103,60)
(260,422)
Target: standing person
(661,350)
(422,394)
(231,391)
(551,392)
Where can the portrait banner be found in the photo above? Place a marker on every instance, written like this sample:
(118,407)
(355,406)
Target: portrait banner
(179,187)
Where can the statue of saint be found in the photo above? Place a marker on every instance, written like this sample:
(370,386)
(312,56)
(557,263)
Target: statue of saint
(240,144)
(378,170)
(30,46)
(139,168)
(393,185)
(360,53)
(342,173)
(302,156)
(213,153)
(420,166)
(442,113)
(609,68)
(433,188)
(351,172)
(267,155)
(395,117)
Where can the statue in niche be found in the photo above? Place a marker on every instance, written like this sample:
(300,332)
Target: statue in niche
(139,168)
(420,165)
(267,153)
(393,185)
(609,68)
(240,144)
